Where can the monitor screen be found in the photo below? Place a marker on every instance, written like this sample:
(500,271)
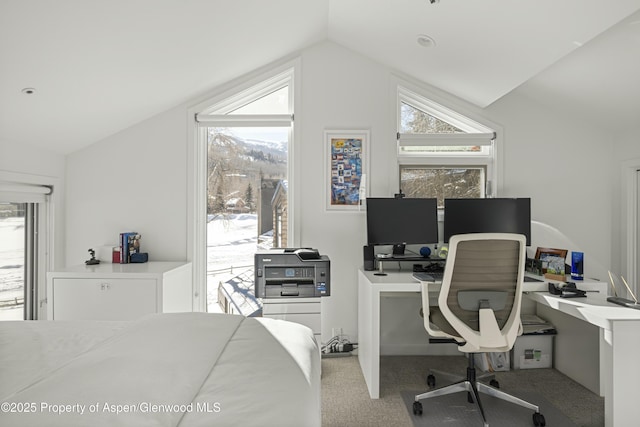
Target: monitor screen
(392,221)
(462,216)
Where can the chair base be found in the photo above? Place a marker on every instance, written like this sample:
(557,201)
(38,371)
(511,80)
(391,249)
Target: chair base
(454,378)
(473,387)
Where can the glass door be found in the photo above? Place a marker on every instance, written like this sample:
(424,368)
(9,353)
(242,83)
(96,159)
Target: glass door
(13,232)
(246,210)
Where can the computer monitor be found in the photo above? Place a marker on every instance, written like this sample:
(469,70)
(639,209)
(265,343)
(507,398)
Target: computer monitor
(400,221)
(501,215)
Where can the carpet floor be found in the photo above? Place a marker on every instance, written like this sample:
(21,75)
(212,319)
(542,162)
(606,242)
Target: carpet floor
(346,402)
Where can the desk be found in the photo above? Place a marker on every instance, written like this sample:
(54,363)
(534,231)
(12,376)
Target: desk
(619,350)
(619,327)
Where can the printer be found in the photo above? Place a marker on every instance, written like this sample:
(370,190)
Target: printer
(292,273)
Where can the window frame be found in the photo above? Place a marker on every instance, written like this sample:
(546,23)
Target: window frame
(227,99)
(479,130)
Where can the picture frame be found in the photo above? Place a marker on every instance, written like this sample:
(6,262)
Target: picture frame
(346,167)
(553,262)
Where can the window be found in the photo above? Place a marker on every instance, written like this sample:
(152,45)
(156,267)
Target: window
(245,138)
(441,153)
(24,247)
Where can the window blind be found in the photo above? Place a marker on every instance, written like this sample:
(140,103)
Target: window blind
(11,192)
(445,139)
(244,120)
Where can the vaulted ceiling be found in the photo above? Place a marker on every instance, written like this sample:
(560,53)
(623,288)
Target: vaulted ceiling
(100,66)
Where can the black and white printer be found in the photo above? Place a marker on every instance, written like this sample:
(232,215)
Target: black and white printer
(290,282)
(292,273)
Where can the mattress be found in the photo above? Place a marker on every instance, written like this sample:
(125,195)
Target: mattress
(182,369)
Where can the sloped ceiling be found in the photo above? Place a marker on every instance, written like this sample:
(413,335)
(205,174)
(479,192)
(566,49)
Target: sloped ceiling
(101,66)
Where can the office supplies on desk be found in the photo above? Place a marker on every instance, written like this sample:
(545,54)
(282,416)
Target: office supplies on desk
(567,291)
(625,302)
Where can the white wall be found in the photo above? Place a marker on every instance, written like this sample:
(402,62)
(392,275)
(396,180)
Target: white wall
(565,167)
(146,192)
(135,180)
(341,90)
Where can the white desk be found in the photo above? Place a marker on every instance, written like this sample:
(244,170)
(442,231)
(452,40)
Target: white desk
(619,336)
(619,351)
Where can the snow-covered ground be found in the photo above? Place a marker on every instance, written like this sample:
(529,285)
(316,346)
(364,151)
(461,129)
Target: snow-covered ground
(11,266)
(231,245)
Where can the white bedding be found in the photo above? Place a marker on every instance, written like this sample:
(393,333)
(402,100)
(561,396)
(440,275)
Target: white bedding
(185,370)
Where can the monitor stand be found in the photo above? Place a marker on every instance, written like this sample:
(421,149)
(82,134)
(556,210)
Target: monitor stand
(398,249)
(380,271)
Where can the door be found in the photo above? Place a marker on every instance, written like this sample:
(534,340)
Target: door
(12,260)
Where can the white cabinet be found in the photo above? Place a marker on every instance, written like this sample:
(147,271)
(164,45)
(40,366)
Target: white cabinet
(118,291)
(305,311)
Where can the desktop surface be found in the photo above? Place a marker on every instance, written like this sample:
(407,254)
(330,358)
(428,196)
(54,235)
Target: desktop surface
(617,328)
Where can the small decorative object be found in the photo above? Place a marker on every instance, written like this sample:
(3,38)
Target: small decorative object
(115,255)
(93,260)
(553,262)
(443,252)
(139,257)
(346,164)
(425,251)
(577,265)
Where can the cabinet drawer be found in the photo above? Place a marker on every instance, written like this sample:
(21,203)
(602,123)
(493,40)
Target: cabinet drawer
(310,320)
(300,308)
(103,299)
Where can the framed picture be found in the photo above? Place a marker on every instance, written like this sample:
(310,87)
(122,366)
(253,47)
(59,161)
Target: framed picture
(553,261)
(346,153)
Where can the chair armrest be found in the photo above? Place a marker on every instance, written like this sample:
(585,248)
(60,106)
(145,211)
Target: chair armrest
(424,286)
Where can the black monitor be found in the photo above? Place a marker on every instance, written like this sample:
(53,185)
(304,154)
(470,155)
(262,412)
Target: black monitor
(501,215)
(400,221)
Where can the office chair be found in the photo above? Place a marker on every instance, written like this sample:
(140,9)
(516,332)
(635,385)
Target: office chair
(479,307)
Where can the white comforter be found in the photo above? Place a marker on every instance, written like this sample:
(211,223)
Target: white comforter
(186,370)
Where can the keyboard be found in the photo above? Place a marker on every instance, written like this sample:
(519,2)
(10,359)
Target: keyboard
(430,276)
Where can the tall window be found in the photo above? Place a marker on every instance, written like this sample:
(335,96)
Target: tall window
(247,137)
(441,153)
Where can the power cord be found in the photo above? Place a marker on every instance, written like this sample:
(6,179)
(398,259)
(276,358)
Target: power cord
(338,345)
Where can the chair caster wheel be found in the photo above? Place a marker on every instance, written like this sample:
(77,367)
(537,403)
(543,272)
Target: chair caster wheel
(431,381)
(417,408)
(494,383)
(538,420)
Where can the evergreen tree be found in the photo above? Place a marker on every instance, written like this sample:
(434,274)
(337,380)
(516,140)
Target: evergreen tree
(248,197)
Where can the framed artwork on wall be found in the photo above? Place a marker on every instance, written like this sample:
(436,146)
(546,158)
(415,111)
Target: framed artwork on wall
(346,158)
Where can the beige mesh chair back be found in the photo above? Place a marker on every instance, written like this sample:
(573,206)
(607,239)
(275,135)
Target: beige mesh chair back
(481,293)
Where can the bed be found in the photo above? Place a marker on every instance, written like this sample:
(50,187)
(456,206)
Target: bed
(183,369)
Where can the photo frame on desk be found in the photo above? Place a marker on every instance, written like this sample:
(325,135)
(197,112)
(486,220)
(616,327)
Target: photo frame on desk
(346,166)
(553,262)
